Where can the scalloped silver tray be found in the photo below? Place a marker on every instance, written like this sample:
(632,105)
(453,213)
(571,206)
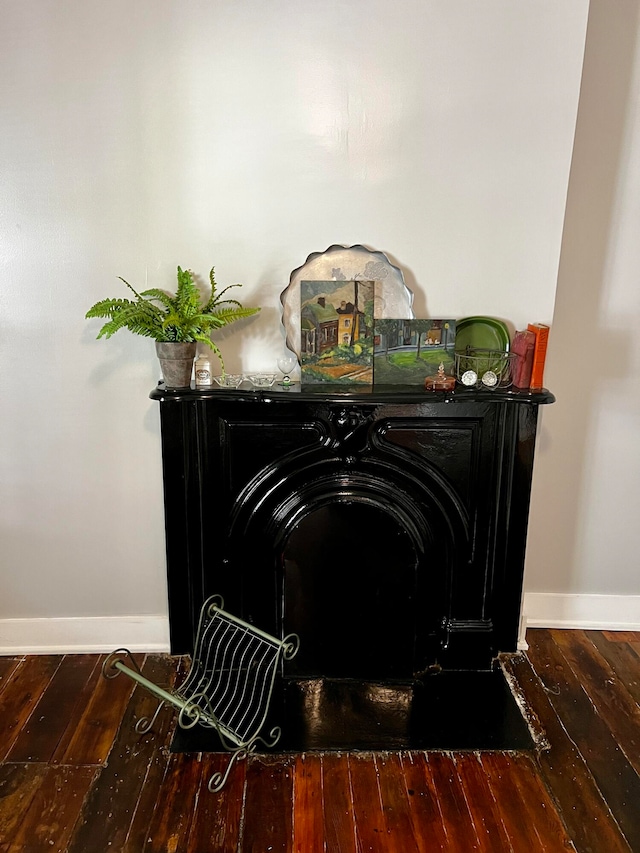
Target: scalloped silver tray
(392,299)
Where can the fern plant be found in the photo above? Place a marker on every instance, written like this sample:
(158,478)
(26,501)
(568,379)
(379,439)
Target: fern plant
(184,317)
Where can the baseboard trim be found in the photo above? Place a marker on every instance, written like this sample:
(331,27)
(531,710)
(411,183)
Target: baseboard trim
(595,612)
(84,635)
(150,633)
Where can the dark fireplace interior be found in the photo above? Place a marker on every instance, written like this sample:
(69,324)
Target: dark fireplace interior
(387,529)
(360,618)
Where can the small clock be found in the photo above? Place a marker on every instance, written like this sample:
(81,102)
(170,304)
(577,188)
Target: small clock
(469,377)
(489,378)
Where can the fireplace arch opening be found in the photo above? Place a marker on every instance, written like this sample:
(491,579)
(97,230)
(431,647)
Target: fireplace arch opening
(350,575)
(355,555)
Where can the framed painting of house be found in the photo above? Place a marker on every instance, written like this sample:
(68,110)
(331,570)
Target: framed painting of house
(406,351)
(336,332)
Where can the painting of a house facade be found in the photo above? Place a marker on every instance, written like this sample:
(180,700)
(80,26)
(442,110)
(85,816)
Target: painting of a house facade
(406,351)
(336,332)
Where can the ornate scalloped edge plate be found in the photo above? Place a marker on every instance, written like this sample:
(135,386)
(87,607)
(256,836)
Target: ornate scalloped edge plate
(393,299)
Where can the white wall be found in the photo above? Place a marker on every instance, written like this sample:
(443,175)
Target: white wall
(139,136)
(585,528)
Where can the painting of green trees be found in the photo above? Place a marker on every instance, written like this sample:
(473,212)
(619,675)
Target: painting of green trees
(407,351)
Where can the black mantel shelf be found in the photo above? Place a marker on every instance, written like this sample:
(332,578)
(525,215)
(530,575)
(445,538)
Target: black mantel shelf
(355,394)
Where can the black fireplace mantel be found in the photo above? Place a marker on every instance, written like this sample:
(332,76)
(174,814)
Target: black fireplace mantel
(394,517)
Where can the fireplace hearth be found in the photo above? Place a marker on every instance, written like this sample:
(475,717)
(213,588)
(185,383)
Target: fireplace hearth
(386,527)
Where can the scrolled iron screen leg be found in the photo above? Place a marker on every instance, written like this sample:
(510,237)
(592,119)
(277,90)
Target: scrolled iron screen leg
(229,685)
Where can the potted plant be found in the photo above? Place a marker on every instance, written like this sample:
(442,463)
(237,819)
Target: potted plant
(176,323)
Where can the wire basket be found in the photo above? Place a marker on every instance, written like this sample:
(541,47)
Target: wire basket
(484,368)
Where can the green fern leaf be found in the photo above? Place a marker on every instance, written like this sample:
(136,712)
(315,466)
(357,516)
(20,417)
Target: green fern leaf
(131,288)
(187,295)
(216,298)
(141,322)
(208,321)
(108,307)
(203,339)
(160,296)
(230,315)
(219,305)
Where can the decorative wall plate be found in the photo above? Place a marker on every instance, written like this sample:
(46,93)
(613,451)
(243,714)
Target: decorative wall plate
(393,299)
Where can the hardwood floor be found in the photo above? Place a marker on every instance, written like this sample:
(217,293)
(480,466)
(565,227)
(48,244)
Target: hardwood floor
(74,776)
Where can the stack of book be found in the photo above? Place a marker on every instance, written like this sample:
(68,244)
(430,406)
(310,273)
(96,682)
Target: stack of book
(530,347)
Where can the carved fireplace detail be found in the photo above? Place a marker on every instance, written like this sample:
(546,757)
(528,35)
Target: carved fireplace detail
(387,528)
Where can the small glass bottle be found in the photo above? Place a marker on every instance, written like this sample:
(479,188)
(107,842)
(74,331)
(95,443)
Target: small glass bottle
(204,378)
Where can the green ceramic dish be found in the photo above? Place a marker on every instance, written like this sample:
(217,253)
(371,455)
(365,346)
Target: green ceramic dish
(482,333)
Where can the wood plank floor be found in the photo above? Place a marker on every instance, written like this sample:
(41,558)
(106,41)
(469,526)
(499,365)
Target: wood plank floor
(74,776)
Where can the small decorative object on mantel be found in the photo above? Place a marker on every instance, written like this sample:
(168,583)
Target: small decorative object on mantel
(261,380)
(203,375)
(483,359)
(286,366)
(229,380)
(439,382)
(176,323)
(482,368)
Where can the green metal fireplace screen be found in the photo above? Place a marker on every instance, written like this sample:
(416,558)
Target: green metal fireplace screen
(229,685)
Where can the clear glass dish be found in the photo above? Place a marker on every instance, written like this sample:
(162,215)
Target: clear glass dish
(262,380)
(229,380)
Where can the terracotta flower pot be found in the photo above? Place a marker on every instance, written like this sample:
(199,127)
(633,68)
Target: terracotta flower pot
(176,363)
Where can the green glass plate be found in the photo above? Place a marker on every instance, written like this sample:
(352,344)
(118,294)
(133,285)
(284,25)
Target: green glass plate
(482,333)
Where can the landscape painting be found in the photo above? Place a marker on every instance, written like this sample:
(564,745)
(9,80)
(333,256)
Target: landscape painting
(407,351)
(336,332)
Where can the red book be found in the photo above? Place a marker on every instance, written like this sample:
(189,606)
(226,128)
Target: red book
(523,346)
(541,331)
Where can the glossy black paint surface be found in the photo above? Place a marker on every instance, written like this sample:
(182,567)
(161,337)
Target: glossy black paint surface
(386,526)
(448,710)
